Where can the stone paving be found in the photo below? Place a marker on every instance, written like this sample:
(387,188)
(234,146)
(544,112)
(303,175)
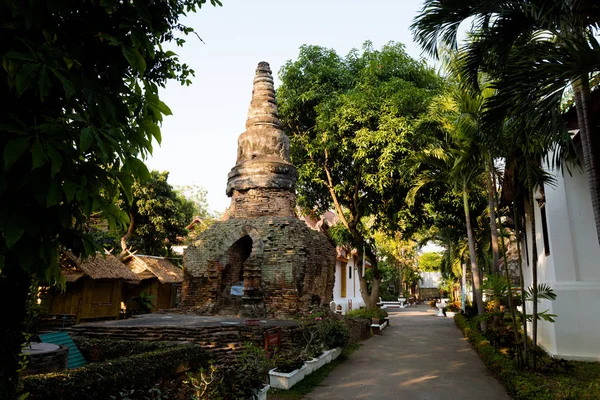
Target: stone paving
(420,356)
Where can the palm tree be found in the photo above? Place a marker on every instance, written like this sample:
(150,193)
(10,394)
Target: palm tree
(453,160)
(535,50)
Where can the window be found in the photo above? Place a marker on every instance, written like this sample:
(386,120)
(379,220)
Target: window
(349,272)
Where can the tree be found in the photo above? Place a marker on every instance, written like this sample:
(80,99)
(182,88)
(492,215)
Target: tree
(453,158)
(158,215)
(350,120)
(430,261)
(535,50)
(79,88)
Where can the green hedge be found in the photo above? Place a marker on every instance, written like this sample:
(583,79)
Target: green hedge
(100,380)
(95,350)
(368,314)
(583,382)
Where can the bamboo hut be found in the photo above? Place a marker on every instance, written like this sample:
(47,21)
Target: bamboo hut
(95,287)
(160,280)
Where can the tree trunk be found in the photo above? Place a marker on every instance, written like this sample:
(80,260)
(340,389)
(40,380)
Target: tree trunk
(522,279)
(511,306)
(14,287)
(370,299)
(127,235)
(472,256)
(464,285)
(534,280)
(491,188)
(590,143)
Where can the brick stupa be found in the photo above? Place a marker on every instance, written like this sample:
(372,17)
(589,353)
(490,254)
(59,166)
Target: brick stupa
(262,261)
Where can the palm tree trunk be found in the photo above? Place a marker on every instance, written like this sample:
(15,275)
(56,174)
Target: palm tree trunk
(590,143)
(472,256)
(522,279)
(511,307)
(534,280)
(492,201)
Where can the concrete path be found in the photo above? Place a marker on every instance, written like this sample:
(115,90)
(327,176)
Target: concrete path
(419,356)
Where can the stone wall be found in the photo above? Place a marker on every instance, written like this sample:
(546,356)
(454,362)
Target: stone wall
(221,341)
(262,202)
(290,267)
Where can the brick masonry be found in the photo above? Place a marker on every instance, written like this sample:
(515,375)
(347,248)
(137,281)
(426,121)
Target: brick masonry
(222,342)
(284,266)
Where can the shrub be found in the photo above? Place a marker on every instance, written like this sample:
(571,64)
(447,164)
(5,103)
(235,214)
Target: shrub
(389,297)
(287,361)
(99,380)
(366,313)
(106,349)
(581,381)
(334,333)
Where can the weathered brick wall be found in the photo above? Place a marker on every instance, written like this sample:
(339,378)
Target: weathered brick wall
(262,202)
(290,267)
(221,341)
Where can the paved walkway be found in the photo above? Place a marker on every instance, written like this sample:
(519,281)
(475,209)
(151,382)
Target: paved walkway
(419,356)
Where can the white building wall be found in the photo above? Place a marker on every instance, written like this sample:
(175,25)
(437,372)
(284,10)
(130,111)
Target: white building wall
(430,280)
(352,286)
(572,269)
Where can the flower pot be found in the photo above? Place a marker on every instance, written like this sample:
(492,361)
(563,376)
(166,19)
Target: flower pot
(335,353)
(318,362)
(450,314)
(282,380)
(262,393)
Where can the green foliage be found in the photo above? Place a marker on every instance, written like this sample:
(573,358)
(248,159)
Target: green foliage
(97,350)
(98,380)
(288,361)
(580,380)
(365,313)
(144,302)
(350,121)
(430,261)
(335,333)
(160,215)
(79,85)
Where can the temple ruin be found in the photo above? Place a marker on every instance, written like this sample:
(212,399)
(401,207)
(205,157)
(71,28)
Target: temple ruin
(262,261)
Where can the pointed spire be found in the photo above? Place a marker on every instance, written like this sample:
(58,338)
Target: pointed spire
(263,159)
(263,106)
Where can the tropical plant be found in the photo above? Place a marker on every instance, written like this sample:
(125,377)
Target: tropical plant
(79,85)
(535,51)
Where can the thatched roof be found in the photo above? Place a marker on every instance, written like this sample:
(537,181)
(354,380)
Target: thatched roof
(149,267)
(101,266)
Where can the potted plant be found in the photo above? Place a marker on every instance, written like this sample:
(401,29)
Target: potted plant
(289,370)
(452,308)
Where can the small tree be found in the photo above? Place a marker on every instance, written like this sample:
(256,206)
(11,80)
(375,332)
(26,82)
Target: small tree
(79,88)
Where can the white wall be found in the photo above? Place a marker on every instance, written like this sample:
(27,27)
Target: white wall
(430,279)
(572,269)
(352,286)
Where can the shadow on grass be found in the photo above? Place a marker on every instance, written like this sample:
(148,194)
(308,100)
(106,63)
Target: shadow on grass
(306,385)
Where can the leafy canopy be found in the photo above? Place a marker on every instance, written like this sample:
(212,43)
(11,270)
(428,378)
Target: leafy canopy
(79,83)
(350,121)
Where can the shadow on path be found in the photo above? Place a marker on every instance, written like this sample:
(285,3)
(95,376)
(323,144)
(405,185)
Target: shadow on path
(420,356)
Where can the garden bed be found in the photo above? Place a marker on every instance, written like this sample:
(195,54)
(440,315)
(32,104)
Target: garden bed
(574,380)
(101,379)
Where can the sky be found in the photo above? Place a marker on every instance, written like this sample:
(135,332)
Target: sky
(199,141)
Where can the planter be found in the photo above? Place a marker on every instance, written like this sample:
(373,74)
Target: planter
(335,353)
(282,380)
(318,362)
(450,314)
(262,393)
(402,300)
